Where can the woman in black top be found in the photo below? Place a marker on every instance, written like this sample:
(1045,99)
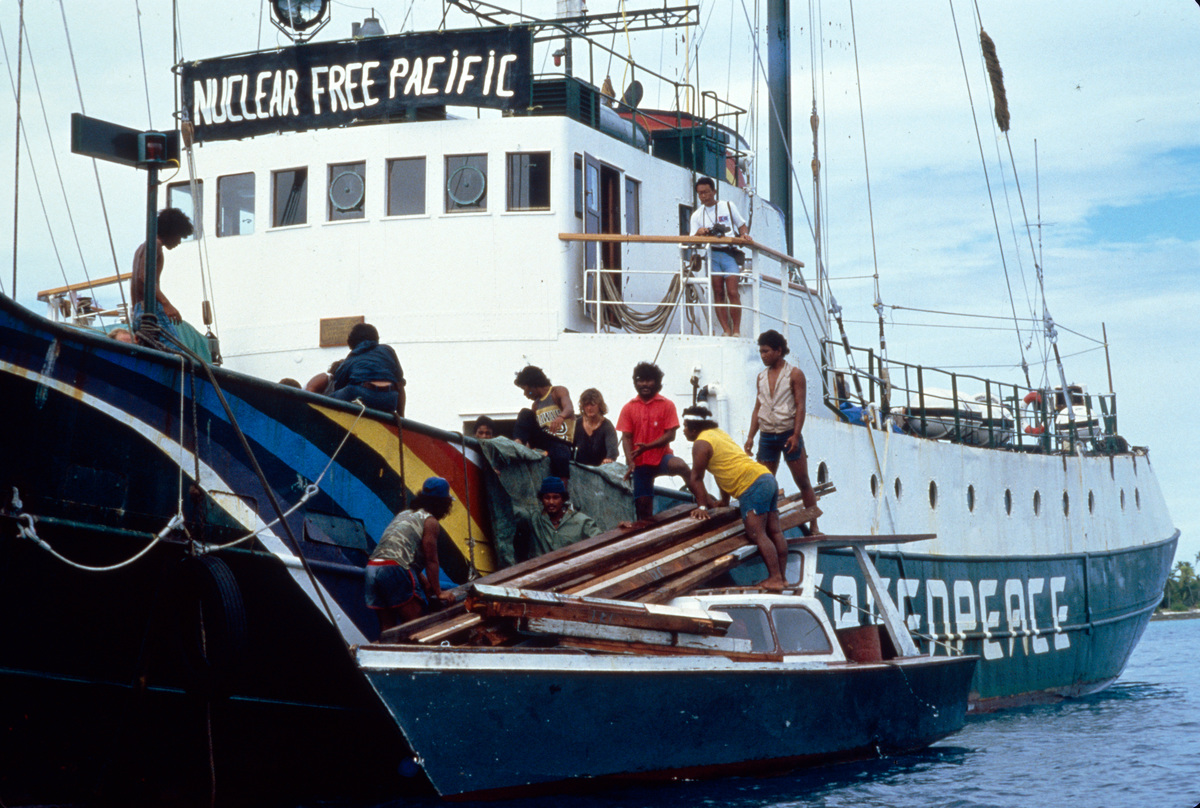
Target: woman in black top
(595,436)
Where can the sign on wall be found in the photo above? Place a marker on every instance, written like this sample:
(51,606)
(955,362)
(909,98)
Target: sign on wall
(329,84)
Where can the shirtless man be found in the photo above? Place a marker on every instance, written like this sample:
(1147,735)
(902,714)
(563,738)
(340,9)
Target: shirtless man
(173,227)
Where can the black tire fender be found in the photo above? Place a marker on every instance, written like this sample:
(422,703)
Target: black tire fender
(213,632)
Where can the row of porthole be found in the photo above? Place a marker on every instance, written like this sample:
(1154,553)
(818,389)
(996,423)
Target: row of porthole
(823,476)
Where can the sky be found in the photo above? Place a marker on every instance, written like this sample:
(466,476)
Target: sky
(1108,92)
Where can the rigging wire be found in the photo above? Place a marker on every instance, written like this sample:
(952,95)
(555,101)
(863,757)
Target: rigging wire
(137,7)
(23,137)
(112,247)
(17,136)
(987,180)
(57,168)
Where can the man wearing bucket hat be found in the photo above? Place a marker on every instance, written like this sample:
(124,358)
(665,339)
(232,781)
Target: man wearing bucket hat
(402,573)
(557,524)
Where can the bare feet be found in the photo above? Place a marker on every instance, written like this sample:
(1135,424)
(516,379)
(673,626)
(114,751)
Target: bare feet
(773,584)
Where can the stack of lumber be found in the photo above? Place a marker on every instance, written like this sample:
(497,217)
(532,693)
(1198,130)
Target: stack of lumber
(671,556)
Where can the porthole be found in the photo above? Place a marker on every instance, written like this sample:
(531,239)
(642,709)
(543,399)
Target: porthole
(1037,503)
(971,498)
(822,474)
(874,486)
(932,494)
(1066,504)
(1122,499)
(1008,501)
(1091,502)
(898,488)
(1137,498)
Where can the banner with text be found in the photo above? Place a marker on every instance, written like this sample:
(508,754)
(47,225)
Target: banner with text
(328,84)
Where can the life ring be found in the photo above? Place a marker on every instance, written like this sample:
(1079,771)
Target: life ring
(1035,430)
(211,629)
(1033,397)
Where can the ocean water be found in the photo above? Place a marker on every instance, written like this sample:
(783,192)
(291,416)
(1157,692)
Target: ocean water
(1135,744)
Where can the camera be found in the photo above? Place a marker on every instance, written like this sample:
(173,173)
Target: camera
(718,230)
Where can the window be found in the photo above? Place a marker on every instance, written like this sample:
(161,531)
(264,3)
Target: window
(179,196)
(406,186)
(529,181)
(289,197)
(685,220)
(750,623)
(347,189)
(799,631)
(578,186)
(466,183)
(235,205)
(633,207)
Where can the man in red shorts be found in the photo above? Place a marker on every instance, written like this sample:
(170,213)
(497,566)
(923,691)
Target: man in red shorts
(648,424)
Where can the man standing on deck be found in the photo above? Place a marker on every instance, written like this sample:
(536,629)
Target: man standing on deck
(715,218)
(557,524)
(737,475)
(648,424)
(173,227)
(779,414)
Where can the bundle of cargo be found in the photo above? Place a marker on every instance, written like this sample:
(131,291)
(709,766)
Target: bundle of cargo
(670,557)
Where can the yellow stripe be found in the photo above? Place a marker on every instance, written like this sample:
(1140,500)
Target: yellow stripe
(378,437)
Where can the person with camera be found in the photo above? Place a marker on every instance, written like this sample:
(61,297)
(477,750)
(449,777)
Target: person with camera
(715,218)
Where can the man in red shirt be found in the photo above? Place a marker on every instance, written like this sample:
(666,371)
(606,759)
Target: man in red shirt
(647,425)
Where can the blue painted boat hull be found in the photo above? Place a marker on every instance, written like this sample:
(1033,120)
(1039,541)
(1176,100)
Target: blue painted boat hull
(502,731)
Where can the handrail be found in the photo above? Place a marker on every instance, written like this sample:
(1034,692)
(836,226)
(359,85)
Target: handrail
(75,287)
(684,240)
(996,421)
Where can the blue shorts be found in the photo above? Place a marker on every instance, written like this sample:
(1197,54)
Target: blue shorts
(722,263)
(391,585)
(761,497)
(643,476)
(770,446)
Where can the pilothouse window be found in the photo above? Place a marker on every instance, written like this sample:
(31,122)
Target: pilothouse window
(235,205)
(289,197)
(179,196)
(750,623)
(466,183)
(406,186)
(347,190)
(529,181)
(799,631)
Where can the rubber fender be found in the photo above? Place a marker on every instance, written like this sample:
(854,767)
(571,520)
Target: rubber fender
(212,629)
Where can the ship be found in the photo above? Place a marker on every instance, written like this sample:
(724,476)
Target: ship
(488,201)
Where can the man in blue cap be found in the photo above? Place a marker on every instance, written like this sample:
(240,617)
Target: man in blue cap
(556,524)
(402,573)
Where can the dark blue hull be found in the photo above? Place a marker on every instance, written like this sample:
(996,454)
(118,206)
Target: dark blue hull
(505,732)
(123,683)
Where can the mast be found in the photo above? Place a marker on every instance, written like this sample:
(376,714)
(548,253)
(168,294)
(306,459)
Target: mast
(779,93)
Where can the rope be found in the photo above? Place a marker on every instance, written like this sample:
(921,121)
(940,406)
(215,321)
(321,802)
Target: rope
(26,528)
(845,601)
(473,572)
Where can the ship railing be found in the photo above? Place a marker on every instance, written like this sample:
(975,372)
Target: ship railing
(78,303)
(968,409)
(661,284)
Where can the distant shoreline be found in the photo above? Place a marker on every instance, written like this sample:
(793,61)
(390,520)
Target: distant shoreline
(1188,615)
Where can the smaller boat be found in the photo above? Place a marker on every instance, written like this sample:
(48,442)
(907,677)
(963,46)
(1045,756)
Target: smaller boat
(717,682)
(940,414)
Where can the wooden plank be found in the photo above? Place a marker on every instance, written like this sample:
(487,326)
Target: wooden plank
(493,601)
(602,631)
(645,649)
(611,582)
(682,584)
(896,629)
(662,572)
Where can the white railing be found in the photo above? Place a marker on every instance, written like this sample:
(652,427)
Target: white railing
(675,294)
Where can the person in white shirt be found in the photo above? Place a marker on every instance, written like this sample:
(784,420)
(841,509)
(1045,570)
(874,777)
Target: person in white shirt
(715,218)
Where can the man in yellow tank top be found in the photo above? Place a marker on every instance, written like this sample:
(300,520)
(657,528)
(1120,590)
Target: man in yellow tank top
(739,476)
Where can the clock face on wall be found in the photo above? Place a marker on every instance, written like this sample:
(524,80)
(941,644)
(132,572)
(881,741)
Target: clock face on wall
(299,15)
